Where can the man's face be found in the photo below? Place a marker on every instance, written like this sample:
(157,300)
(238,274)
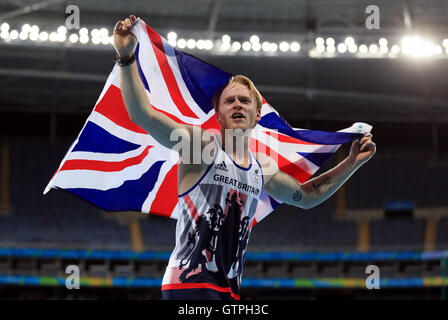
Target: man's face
(237,108)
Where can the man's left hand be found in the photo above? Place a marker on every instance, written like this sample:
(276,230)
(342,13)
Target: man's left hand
(362,151)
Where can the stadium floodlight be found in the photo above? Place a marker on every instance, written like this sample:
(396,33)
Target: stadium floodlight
(26,28)
(4,27)
(445,43)
(236,46)
(191,44)
(73,38)
(395,49)
(384,49)
(342,48)
(437,50)
(294,46)
(266,46)
(200,44)
(83,39)
(13,35)
(363,48)
(61,37)
(83,32)
(208,44)
(254,39)
(246,46)
(256,46)
(106,40)
(96,40)
(225,46)
(320,41)
(34,29)
(4,34)
(181,43)
(331,49)
(320,48)
(104,32)
(62,30)
(383,42)
(23,35)
(330,42)
(349,41)
(284,46)
(171,36)
(373,48)
(43,36)
(226,38)
(352,48)
(273,47)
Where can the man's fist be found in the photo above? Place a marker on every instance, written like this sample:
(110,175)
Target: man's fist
(124,41)
(361,151)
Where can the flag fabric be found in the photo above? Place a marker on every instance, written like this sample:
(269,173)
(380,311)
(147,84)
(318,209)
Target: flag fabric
(118,166)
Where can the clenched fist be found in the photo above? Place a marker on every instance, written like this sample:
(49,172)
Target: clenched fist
(124,41)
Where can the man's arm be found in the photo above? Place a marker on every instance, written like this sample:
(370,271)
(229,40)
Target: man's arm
(315,191)
(135,98)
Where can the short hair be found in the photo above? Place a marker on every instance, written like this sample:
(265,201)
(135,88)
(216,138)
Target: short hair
(245,81)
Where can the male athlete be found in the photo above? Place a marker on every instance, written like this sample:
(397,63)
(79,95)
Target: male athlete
(218,198)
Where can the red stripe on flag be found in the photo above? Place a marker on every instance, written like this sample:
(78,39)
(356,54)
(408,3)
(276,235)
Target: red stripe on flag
(112,107)
(106,166)
(194,213)
(288,139)
(166,197)
(284,164)
(168,75)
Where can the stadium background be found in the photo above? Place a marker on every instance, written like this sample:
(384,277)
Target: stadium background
(317,64)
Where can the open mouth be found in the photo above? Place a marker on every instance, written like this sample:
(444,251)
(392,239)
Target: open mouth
(237,115)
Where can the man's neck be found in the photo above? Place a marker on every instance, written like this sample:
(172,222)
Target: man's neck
(236,143)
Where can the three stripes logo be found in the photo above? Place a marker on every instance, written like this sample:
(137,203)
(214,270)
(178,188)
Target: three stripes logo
(222,166)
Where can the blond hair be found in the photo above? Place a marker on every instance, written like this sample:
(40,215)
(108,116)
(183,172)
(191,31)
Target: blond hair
(245,81)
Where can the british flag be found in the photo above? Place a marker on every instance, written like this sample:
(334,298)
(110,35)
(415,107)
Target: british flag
(118,166)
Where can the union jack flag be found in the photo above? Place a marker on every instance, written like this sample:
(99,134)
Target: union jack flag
(118,166)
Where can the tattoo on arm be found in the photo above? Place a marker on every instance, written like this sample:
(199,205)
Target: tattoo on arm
(318,184)
(297,196)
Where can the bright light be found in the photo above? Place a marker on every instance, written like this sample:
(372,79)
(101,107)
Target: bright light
(383,42)
(320,41)
(23,35)
(181,43)
(384,49)
(61,37)
(236,46)
(83,32)
(84,39)
(43,36)
(363,48)
(284,46)
(191,44)
(437,50)
(208,45)
(4,27)
(4,34)
(352,48)
(416,46)
(95,32)
(200,44)
(395,49)
(294,46)
(331,49)
(246,46)
(172,36)
(34,29)
(373,48)
(256,46)
(105,40)
(225,46)
(254,39)
(320,48)
(274,47)
(26,28)
(266,46)
(62,30)
(13,35)
(104,32)
(445,43)
(342,48)
(73,38)
(226,38)
(330,42)
(349,41)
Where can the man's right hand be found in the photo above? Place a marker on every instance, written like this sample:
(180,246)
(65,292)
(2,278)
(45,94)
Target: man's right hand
(124,41)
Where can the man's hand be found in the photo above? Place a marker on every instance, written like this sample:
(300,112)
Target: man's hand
(124,41)
(362,151)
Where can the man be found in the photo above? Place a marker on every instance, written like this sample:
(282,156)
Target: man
(218,196)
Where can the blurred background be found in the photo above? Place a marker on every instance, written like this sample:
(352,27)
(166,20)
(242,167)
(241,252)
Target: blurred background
(317,63)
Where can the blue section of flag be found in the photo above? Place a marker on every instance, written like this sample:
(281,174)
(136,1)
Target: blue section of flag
(318,159)
(96,139)
(201,79)
(273,121)
(129,196)
(140,71)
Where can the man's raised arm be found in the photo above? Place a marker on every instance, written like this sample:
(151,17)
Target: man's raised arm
(135,98)
(315,191)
